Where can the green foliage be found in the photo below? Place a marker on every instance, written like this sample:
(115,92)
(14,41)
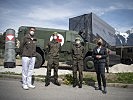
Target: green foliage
(10,73)
(88,78)
(68,79)
(125,78)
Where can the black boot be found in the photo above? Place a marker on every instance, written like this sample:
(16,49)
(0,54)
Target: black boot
(80,85)
(74,84)
(104,90)
(57,83)
(47,83)
(98,88)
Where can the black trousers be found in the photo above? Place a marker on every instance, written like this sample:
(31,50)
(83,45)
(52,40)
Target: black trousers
(100,71)
(52,63)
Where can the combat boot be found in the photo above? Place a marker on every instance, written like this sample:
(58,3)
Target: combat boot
(80,85)
(74,84)
(57,83)
(47,83)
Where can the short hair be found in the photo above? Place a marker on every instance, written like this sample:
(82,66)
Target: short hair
(32,28)
(99,40)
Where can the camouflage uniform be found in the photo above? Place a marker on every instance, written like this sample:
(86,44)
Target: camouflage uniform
(77,53)
(53,61)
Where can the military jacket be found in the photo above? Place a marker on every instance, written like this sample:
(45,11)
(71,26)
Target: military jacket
(77,52)
(54,48)
(28,46)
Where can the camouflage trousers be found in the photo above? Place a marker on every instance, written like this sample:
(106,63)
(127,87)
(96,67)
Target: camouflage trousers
(77,66)
(52,63)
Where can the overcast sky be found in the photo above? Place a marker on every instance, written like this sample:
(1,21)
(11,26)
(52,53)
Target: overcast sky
(56,13)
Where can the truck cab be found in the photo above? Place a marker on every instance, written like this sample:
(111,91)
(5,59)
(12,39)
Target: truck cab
(126,54)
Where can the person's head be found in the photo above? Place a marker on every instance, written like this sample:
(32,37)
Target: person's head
(55,35)
(31,31)
(99,42)
(77,40)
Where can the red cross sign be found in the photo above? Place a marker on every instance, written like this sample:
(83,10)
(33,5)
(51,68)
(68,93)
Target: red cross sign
(58,39)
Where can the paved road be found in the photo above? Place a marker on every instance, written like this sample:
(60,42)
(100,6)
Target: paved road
(11,90)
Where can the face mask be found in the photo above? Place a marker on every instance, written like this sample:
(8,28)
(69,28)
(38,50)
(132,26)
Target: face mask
(55,37)
(99,43)
(77,42)
(31,32)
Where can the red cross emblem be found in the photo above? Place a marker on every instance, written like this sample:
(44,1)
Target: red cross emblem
(58,39)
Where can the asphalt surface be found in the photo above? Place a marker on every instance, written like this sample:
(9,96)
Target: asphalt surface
(11,89)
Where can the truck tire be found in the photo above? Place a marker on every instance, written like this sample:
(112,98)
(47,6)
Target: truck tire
(129,61)
(39,60)
(88,64)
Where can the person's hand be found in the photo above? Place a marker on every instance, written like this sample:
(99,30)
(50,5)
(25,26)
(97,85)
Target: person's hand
(98,56)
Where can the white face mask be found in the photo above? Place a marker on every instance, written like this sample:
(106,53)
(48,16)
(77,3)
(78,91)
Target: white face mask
(31,32)
(78,42)
(55,37)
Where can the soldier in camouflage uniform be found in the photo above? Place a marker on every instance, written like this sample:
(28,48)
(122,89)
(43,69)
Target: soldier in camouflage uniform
(53,48)
(77,54)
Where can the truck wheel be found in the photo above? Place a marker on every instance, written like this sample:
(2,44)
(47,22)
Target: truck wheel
(88,64)
(123,61)
(129,61)
(39,60)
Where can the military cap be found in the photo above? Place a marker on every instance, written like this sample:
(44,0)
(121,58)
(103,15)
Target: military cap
(55,33)
(77,38)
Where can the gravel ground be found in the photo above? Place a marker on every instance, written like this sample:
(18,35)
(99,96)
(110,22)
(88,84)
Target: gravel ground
(118,68)
(121,68)
(40,71)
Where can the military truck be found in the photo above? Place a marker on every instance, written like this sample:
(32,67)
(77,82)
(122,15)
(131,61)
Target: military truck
(126,54)
(91,27)
(44,35)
